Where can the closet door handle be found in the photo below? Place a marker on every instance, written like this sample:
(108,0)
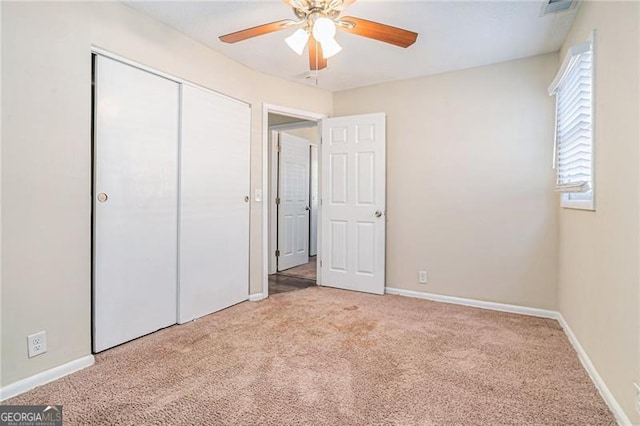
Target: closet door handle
(246,198)
(102,197)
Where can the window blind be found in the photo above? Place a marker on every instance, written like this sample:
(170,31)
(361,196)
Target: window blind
(574,131)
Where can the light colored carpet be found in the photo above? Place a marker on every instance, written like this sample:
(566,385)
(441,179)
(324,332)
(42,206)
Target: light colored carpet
(306,271)
(324,356)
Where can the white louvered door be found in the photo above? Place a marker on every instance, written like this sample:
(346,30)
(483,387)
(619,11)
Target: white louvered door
(353,203)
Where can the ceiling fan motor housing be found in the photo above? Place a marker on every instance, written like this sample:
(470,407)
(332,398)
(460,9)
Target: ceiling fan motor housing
(311,9)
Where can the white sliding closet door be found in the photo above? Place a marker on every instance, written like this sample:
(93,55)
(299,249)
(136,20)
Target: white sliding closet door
(135,203)
(214,206)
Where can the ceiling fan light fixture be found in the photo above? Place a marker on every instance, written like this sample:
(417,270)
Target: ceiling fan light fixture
(317,24)
(324,29)
(298,40)
(330,47)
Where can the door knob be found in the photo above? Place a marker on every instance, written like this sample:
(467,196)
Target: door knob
(246,199)
(378,213)
(102,197)
(307,208)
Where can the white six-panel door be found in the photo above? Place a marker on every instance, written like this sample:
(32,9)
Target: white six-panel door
(293,210)
(135,203)
(353,203)
(314,197)
(214,206)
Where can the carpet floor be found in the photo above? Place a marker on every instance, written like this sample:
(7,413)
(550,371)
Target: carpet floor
(325,356)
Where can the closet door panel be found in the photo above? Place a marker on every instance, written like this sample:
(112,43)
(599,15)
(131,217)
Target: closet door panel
(135,203)
(214,215)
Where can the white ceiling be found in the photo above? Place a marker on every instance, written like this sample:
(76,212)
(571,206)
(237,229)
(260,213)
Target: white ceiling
(452,35)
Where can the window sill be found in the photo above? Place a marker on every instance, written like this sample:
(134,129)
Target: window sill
(578,205)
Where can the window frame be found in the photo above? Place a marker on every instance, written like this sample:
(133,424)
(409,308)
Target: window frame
(565,201)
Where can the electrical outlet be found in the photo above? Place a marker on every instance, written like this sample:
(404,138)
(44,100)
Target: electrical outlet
(37,343)
(422,277)
(637,396)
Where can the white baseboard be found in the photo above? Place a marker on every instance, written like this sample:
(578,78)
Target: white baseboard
(502,307)
(606,394)
(44,377)
(256,297)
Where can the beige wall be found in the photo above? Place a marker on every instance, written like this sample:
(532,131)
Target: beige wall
(277,119)
(310,133)
(469,181)
(46,158)
(599,254)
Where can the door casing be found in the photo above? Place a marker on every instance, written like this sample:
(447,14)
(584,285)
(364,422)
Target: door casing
(266,184)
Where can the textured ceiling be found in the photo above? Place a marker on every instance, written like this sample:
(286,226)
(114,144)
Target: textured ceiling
(452,35)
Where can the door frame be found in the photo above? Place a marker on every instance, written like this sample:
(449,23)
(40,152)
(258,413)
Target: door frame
(266,166)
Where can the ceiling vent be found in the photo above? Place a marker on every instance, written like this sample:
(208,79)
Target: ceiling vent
(550,7)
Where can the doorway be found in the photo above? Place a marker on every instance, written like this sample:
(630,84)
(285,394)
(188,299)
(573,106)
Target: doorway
(293,195)
(351,237)
(291,199)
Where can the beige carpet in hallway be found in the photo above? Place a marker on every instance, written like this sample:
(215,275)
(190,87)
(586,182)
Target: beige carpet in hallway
(323,356)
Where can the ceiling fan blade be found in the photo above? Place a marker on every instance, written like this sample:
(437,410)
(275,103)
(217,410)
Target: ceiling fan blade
(377,31)
(316,59)
(257,31)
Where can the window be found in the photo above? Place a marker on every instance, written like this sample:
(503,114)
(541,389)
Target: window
(573,152)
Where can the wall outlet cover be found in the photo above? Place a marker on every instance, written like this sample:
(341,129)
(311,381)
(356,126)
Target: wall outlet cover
(422,277)
(37,343)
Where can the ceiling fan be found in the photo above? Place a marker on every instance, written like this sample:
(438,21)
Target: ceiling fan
(316,25)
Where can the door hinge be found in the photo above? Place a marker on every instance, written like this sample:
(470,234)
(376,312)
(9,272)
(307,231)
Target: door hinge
(320,201)
(278,148)
(277,253)
(278,200)
(321,263)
